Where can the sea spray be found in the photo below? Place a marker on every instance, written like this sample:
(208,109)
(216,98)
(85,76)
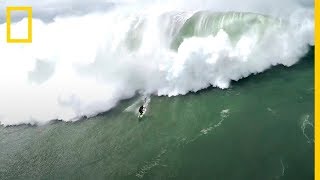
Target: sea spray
(98,59)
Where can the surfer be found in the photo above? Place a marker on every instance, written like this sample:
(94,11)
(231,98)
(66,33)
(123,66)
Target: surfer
(141,110)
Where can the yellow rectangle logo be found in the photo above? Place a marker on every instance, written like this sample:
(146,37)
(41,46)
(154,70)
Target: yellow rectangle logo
(8,13)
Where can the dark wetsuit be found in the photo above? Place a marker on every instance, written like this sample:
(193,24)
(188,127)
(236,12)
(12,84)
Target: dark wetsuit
(141,110)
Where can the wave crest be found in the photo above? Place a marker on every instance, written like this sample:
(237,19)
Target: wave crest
(99,59)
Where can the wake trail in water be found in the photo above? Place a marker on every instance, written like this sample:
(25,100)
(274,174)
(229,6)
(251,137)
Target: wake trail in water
(83,65)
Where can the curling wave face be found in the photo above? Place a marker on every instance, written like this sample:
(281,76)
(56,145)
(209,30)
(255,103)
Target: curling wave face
(84,65)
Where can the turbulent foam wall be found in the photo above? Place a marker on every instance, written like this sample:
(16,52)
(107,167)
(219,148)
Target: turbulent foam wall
(84,65)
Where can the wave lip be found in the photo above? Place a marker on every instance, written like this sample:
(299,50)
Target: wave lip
(235,24)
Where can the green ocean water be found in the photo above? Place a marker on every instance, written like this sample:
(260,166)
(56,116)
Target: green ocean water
(261,128)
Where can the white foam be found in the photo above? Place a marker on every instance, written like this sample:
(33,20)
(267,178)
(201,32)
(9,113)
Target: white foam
(91,69)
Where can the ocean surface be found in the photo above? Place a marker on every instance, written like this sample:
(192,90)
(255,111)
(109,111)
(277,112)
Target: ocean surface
(260,128)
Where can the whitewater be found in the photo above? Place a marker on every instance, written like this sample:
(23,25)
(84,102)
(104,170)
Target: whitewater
(83,65)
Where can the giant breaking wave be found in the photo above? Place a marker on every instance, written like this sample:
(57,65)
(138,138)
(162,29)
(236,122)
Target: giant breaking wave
(84,65)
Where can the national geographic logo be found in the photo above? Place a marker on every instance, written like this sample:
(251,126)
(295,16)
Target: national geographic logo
(11,9)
